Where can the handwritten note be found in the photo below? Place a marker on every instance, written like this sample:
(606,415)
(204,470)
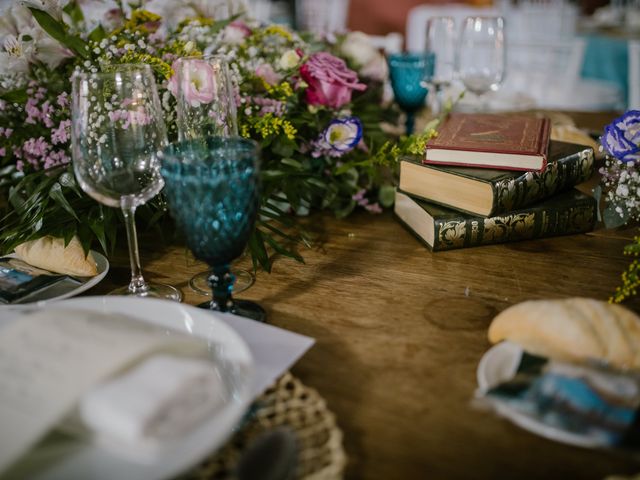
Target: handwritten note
(49,359)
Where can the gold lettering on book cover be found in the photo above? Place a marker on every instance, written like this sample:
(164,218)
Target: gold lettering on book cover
(475,230)
(581,218)
(586,161)
(500,229)
(452,233)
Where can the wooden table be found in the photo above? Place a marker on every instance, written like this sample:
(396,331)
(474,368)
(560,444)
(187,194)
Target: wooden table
(399,334)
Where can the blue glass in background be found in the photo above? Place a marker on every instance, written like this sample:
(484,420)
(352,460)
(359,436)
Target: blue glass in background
(408,73)
(212,187)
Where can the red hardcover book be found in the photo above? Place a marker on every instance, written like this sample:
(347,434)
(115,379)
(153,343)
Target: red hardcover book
(491,141)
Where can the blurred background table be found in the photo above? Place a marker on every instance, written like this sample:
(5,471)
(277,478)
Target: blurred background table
(400,332)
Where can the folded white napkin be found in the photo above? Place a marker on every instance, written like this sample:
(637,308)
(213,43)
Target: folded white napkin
(161,398)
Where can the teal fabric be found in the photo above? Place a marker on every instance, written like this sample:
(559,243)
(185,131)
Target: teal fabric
(607,58)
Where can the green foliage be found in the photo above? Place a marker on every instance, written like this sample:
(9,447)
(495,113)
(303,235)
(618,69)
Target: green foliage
(59,32)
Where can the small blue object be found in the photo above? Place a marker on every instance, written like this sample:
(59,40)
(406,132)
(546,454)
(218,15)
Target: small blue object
(408,73)
(212,187)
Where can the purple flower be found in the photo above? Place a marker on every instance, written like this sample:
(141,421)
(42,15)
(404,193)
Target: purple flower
(61,134)
(343,134)
(621,137)
(63,100)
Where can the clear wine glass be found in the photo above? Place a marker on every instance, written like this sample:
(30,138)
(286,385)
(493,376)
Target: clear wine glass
(441,41)
(481,56)
(117,130)
(206,106)
(213,192)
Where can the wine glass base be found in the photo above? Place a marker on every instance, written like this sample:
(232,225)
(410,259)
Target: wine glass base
(244,308)
(155,290)
(199,283)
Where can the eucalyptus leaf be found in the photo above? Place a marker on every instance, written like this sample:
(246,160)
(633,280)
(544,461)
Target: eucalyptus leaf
(386,195)
(612,218)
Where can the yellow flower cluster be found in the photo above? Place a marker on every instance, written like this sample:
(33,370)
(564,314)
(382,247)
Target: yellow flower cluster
(282,91)
(630,278)
(278,30)
(202,21)
(138,20)
(163,68)
(269,125)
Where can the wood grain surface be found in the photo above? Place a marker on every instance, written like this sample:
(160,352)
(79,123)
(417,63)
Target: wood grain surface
(399,334)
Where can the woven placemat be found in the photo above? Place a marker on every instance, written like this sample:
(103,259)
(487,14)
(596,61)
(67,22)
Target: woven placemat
(288,403)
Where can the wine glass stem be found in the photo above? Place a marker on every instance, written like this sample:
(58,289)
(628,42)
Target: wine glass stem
(221,281)
(137,284)
(411,120)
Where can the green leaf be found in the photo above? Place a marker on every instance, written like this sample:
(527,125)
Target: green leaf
(74,11)
(57,31)
(97,227)
(292,163)
(283,250)
(283,147)
(258,251)
(15,96)
(98,34)
(386,195)
(56,194)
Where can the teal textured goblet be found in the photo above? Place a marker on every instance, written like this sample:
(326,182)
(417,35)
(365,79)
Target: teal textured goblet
(212,187)
(408,73)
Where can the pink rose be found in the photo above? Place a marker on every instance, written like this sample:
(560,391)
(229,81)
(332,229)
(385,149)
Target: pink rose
(330,80)
(268,74)
(197,82)
(236,32)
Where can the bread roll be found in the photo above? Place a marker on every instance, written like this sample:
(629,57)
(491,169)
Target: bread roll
(573,329)
(49,253)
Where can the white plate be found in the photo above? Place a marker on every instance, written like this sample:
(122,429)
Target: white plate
(75,459)
(498,365)
(55,292)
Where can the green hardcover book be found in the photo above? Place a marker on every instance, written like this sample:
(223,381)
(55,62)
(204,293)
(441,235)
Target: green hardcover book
(489,192)
(445,229)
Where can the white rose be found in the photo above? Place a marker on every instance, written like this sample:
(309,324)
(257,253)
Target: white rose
(376,69)
(358,48)
(288,60)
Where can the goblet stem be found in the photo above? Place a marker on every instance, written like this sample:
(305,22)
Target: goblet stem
(221,282)
(410,123)
(137,284)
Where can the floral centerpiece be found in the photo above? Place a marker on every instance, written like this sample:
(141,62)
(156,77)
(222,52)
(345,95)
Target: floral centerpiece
(314,106)
(621,181)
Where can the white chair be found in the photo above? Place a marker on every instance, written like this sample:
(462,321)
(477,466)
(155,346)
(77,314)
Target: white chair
(418,16)
(634,74)
(549,73)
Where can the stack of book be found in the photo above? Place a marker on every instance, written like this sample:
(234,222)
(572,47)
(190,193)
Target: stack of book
(494,178)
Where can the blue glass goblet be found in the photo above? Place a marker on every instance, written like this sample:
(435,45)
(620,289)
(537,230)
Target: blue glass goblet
(212,187)
(409,73)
